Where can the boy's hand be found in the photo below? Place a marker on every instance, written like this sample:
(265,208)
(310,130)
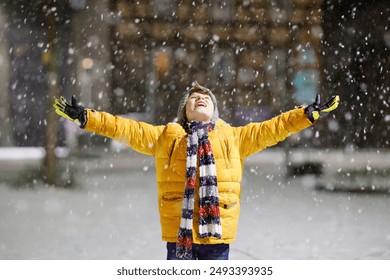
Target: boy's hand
(73,111)
(316,110)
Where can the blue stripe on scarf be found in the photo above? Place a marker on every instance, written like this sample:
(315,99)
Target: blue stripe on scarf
(185,232)
(210,220)
(189,193)
(209,200)
(203,140)
(187,214)
(207,160)
(191,172)
(208,181)
(209,234)
(192,150)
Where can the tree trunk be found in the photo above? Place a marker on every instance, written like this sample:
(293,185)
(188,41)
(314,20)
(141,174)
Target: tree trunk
(50,58)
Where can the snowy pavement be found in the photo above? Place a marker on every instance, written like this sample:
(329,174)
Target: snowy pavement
(112,214)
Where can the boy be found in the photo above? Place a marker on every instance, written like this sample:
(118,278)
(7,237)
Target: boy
(199,164)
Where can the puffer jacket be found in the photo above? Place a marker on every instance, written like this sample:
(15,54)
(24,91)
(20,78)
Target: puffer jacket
(231,145)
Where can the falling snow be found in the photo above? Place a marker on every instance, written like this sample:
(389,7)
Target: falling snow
(133,59)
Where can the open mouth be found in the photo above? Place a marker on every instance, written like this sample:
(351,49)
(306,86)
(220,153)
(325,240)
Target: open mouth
(201,104)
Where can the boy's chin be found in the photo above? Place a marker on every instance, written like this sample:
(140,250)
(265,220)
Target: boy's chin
(204,119)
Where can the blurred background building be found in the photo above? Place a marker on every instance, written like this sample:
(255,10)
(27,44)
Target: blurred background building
(260,57)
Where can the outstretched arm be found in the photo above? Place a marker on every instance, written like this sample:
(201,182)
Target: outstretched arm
(258,136)
(138,135)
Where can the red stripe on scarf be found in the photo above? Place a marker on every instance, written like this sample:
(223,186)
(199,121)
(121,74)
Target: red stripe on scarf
(204,150)
(190,182)
(207,210)
(184,241)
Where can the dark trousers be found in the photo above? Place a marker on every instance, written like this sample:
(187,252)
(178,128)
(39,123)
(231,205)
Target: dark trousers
(202,252)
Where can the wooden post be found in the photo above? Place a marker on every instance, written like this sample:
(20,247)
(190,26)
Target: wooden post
(50,59)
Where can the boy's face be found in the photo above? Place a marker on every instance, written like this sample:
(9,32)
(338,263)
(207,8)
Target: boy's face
(199,107)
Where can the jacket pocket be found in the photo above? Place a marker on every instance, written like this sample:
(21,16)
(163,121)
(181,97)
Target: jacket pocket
(228,201)
(228,205)
(172,196)
(170,205)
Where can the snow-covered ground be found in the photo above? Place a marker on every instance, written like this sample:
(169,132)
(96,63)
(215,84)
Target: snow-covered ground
(112,214)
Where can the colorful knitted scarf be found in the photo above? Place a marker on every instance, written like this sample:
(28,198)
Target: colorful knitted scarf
(198,147)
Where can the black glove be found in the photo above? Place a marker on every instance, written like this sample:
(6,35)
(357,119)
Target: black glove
(316,110)
(73,111)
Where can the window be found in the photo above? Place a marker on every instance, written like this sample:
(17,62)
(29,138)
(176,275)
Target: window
(163,7)
(222,67)
(280,10)
(222,10)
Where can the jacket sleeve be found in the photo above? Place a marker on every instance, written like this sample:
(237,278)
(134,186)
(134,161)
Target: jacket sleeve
(255,137)
(140,136)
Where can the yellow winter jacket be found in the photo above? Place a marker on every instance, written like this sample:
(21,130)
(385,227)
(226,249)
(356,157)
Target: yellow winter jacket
(231,145)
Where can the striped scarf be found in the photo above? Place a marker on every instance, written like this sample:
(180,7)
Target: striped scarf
(198,146)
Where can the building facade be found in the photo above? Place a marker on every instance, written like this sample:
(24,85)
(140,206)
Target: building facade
(247,52)
(259,57)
